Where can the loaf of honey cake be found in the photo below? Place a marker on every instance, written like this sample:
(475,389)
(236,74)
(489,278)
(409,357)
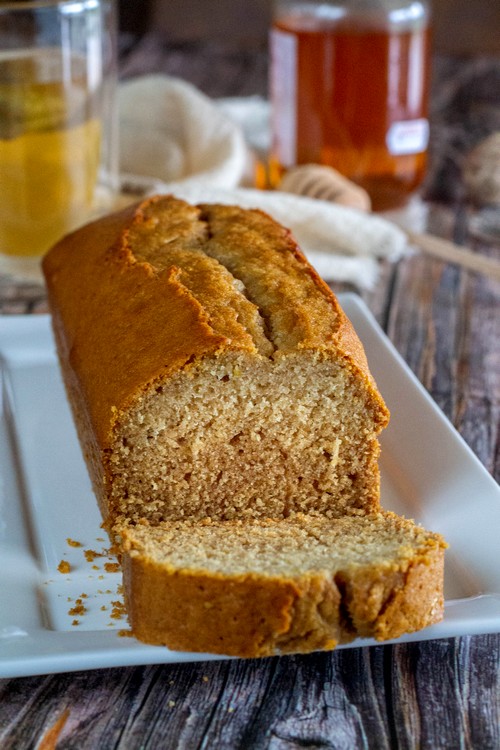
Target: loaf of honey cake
(230,425)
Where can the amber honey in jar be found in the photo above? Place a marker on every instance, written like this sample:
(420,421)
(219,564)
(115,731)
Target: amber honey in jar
(349,89)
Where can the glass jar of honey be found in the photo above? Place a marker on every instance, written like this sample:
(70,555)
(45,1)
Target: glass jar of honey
(349,85)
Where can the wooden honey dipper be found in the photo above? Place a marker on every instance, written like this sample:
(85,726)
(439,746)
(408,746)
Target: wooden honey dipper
(324,183)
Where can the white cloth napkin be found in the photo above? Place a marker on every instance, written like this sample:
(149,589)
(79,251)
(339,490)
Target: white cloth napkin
(171,131)
(192,148)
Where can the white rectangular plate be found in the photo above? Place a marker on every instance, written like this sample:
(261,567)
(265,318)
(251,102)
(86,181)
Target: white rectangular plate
(428,473)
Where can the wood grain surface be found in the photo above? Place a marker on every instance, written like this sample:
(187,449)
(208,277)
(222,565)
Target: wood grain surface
(429,695)
(445,321)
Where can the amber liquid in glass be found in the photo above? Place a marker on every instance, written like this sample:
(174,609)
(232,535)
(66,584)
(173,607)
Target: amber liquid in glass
(360,103)
(49,154)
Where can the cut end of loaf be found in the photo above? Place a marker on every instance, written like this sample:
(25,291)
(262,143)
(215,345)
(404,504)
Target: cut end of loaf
(257,588)
(243,437)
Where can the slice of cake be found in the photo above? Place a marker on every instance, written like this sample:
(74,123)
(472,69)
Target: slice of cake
(259,587)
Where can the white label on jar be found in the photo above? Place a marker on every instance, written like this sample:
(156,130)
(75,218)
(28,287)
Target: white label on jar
(283,80)
(408,137)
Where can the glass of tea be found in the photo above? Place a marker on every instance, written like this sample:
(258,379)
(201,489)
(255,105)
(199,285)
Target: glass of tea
(58,159)
(349,89)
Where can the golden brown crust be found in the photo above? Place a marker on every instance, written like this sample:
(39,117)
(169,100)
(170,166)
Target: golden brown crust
(244,616)
(399,599)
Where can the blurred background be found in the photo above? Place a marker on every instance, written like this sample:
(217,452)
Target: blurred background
(221,47)
(461,27)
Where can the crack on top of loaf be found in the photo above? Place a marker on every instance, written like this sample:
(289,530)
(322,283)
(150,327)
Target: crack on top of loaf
(261,323)
(167,232)
(296,305)
(239,264)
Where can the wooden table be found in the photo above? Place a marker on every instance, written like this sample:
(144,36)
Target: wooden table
(445,321)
